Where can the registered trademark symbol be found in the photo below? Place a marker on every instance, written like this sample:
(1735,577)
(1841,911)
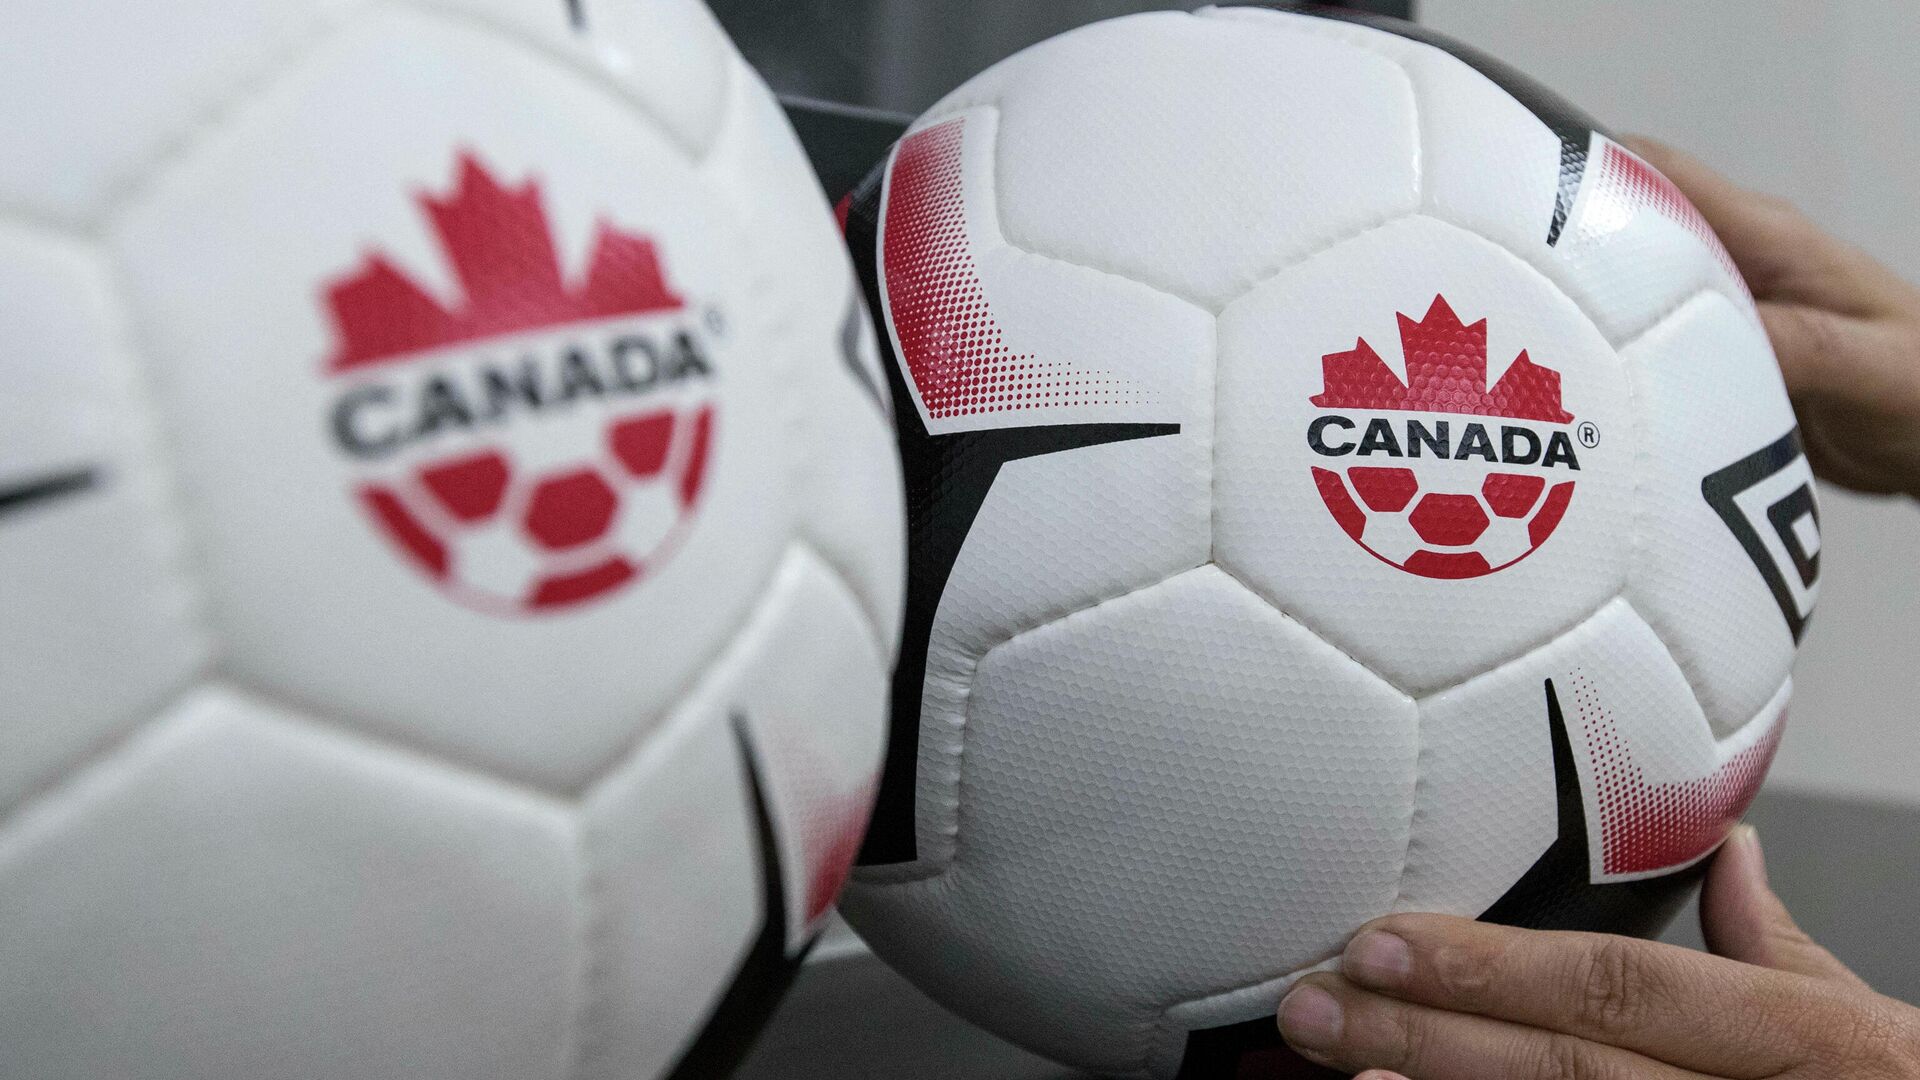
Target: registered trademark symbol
(1588,434)
(716,322)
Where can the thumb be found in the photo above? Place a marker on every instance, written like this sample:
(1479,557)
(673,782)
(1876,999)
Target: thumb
(1743,920)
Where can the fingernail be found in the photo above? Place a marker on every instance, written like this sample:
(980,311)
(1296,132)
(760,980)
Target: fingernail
(1310,1018)
(1377,958)
(1753,856)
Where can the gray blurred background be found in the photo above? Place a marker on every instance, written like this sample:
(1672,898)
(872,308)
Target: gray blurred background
(1816,102)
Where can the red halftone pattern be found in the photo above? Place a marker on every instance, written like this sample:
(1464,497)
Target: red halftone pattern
(501,248)
(1631,180)
(1446,373)
(952,348)
(1647,826)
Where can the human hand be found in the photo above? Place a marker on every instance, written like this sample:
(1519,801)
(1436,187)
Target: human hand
(1846,328)
(1434,997)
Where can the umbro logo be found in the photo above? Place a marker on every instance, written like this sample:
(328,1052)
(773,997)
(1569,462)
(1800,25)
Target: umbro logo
(1766,499)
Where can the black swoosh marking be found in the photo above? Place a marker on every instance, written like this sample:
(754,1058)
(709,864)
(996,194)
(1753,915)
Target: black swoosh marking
(768,969)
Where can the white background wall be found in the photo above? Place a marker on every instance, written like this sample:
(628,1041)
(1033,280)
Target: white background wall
(1819,102)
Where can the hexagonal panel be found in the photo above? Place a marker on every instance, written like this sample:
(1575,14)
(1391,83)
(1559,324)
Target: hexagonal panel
(1098,125)
(1713,400)
(234,866)
(1150,782)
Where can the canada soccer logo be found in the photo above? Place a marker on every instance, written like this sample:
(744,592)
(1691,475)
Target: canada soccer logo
(538,442)
(1444,476)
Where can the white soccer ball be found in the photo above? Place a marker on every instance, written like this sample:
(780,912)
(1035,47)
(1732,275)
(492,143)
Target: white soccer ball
(450,542)
(1341,480)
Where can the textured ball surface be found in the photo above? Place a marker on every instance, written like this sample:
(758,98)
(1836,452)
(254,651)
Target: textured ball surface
(450,544)
(1341,480)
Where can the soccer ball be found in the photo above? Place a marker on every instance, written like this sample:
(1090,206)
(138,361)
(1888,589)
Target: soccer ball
(1341,480)
(450,540)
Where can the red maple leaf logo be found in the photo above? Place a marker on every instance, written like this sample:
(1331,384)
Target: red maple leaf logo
(501,248)
(1446,372)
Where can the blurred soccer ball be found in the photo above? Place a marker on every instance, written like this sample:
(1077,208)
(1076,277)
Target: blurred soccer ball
(450,543)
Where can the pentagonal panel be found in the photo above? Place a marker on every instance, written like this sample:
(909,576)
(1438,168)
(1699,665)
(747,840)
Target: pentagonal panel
(1486,160)
(239,889)
(1176,793)
(86,112)
(669,57)
(518,269)
(1455,361)
(1195,154)
(1727,566)
(101,623)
